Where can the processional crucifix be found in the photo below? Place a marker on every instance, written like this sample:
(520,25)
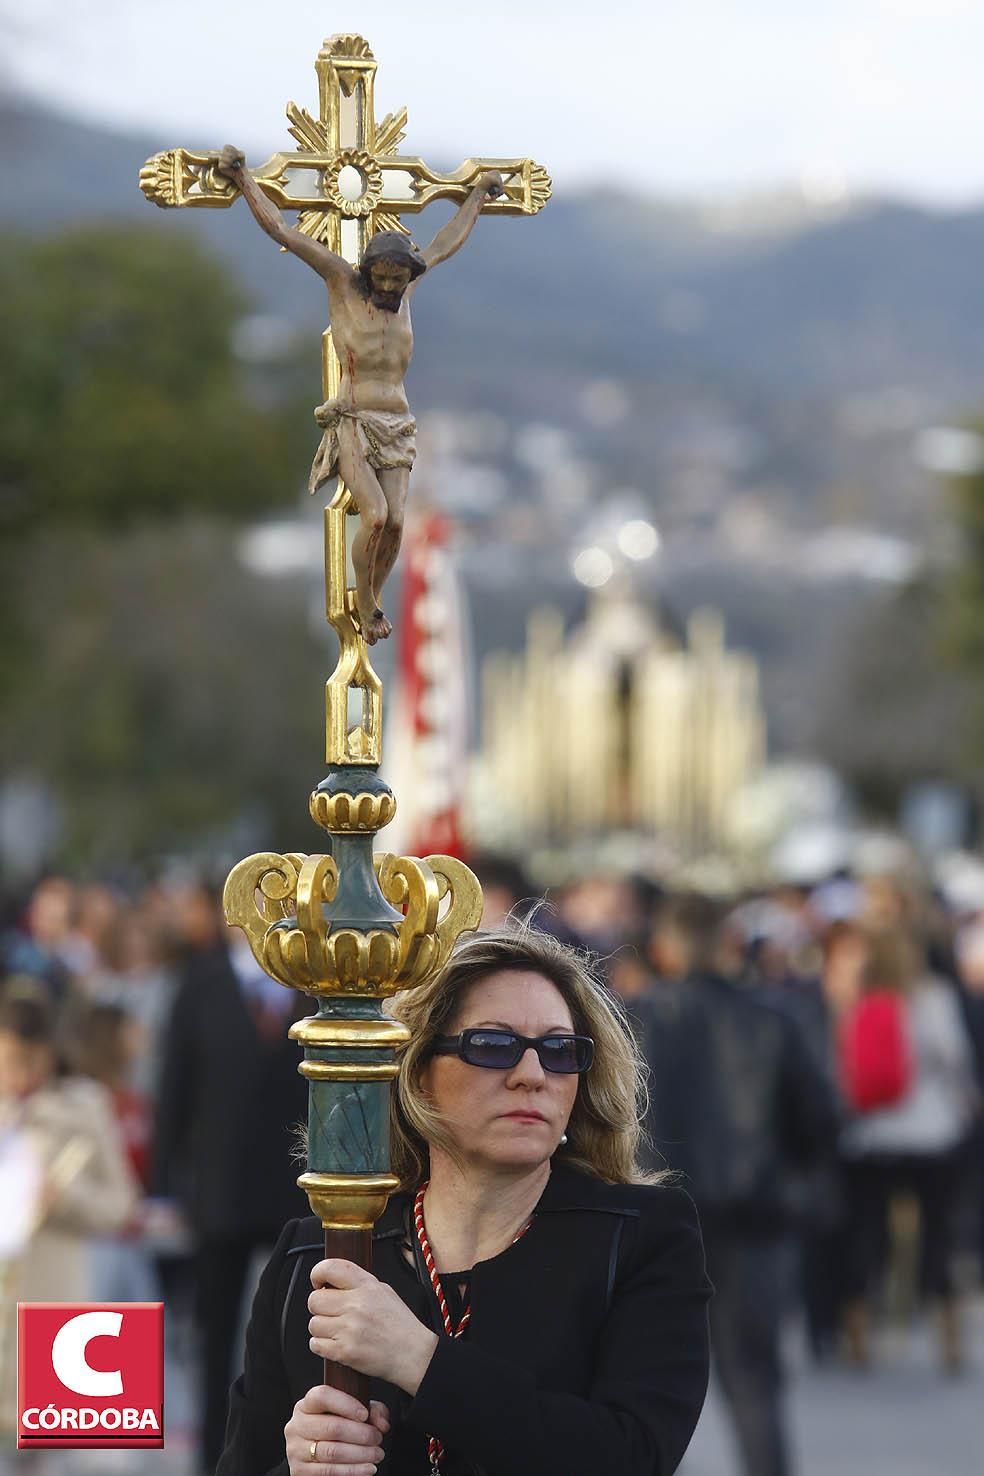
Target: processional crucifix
(361,188)
(348,927)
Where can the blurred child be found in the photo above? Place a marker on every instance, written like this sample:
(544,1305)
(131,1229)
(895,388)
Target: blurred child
(64,1175)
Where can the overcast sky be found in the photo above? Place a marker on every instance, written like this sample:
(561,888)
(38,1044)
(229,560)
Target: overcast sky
(672,96)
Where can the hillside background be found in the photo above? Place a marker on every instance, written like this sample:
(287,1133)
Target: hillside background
(764,379)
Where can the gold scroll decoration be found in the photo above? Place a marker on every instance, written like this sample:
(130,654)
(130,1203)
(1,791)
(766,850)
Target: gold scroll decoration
(278,903)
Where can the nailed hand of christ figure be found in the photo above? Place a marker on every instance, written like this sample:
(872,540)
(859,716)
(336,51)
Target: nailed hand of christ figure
(369,434)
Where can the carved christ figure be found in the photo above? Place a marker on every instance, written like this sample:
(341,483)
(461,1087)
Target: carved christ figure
(369,434)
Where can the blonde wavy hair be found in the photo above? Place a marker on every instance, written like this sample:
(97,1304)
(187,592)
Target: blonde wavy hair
(604,1133)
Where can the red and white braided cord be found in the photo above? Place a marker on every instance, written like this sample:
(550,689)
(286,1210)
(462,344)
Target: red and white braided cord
(435,1449)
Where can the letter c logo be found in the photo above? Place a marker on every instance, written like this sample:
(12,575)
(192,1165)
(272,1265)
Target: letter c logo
(68,1353)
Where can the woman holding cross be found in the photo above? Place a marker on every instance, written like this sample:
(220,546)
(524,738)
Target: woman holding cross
(538,1304)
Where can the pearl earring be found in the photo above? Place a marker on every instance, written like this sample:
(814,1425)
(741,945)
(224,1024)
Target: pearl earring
(563,1140)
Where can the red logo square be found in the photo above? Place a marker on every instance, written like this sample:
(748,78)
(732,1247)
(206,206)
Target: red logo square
(90,1375)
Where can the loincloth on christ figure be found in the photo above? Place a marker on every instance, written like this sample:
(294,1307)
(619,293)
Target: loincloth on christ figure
(387,438)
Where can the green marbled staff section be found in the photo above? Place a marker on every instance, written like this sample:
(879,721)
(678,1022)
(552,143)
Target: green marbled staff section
(355,1007)
(348,1122)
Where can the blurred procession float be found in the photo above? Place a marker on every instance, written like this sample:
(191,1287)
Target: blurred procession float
(622,724)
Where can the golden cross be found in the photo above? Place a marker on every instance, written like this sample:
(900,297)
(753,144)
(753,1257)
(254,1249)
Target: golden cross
(344,136)
(357,184)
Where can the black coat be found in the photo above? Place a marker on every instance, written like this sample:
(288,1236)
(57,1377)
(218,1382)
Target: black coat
(737,1102)
(587,1351)
(227,1105)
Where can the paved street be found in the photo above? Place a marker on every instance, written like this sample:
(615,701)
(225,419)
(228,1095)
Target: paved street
(901,1419)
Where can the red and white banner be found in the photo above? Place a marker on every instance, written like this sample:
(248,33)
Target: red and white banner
(427,727)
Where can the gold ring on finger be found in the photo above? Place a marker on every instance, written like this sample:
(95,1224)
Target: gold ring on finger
(314,1450)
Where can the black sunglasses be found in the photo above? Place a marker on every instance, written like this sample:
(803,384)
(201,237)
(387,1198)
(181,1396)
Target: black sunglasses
(502,1049)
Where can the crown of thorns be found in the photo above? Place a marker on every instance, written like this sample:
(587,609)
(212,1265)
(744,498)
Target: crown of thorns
(393,246)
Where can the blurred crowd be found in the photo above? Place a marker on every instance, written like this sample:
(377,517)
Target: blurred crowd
(816,1070)
(816,1079)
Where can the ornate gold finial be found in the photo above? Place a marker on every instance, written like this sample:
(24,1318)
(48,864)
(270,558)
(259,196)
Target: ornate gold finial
(279,902)
(539,188)
(347,44)
(157,179)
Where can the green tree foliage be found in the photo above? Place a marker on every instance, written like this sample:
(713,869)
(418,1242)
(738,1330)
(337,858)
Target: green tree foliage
(121,397)
(160,690)
(175,693)
(906,699)
(891,708)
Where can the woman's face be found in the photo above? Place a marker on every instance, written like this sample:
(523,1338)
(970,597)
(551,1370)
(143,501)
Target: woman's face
(512,1118)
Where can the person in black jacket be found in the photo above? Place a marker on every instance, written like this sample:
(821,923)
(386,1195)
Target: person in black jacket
(228,1102)
(741,1108)
(537,1303)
